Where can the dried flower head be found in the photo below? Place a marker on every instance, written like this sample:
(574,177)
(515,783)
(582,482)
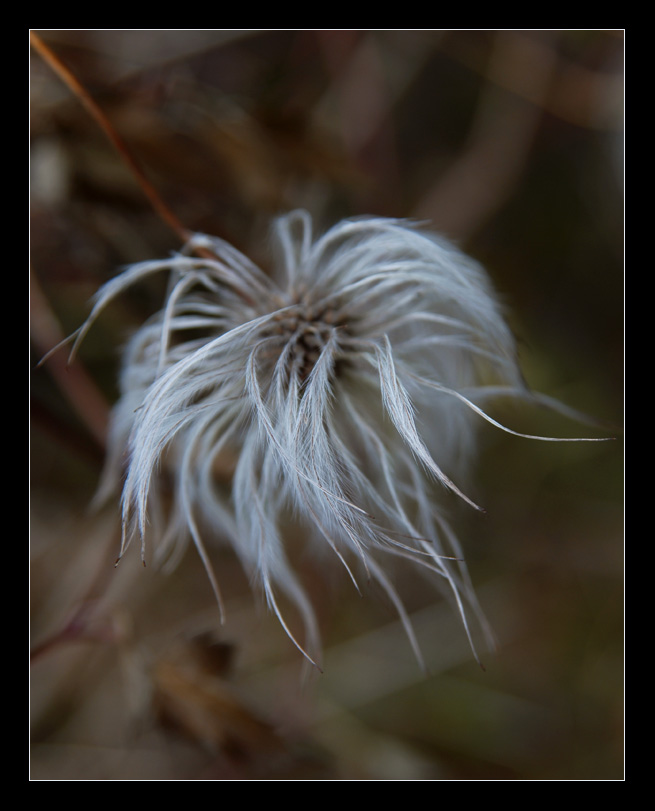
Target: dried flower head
(344,386)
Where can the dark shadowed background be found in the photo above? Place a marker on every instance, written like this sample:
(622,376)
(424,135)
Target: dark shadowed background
(511,144)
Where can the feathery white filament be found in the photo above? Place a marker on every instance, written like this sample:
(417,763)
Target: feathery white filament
(342,388)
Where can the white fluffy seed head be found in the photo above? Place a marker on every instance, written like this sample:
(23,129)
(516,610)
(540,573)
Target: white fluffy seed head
(344,386)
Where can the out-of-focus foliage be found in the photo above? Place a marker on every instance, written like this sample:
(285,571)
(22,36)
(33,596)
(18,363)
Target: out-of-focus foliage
(508,142)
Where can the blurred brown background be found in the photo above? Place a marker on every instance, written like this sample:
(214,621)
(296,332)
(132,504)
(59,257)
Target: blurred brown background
(511,143)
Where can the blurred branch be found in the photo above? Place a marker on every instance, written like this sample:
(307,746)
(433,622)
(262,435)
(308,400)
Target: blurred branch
(86,623)
(363,91)
(477,183)
(359,90)
(77,629)
(578,95)
(78,388)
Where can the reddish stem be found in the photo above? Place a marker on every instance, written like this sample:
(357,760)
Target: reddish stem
(82,94)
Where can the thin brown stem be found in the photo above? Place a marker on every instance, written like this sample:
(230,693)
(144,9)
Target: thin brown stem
(82,94)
